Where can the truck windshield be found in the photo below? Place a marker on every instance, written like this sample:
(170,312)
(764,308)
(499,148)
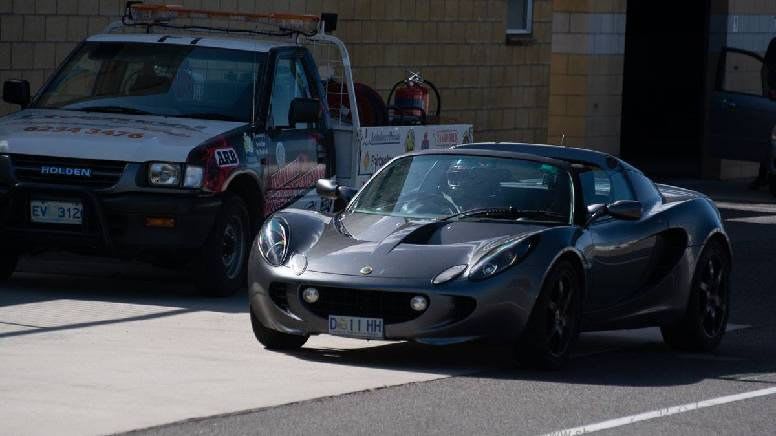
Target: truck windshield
(156,79)
(449,186)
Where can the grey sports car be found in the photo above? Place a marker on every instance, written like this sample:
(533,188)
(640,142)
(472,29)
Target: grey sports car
(527,244)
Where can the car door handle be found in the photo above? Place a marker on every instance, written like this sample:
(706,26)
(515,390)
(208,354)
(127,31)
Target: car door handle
(730,104)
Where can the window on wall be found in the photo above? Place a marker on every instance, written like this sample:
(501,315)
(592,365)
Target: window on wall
(519,17)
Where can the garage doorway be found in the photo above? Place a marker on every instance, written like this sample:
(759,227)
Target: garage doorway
(665,86)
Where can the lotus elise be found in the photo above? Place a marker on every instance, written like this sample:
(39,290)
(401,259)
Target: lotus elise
(525,244)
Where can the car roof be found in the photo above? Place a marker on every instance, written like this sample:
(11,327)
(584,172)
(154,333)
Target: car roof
(557,152)
(246,44)
(486,152)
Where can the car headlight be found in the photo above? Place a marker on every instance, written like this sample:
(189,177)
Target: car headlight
(274,241)
(164,174)
(501,258)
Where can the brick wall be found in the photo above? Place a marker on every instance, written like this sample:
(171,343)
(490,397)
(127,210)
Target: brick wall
(458,44)
(586,73)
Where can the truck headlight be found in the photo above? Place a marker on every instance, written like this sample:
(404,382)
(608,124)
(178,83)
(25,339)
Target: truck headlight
(193,177)
(164,174)
(274,241)
(501,258)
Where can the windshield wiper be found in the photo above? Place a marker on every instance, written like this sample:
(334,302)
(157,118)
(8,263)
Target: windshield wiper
(113,110)
(208,116)
(505,212)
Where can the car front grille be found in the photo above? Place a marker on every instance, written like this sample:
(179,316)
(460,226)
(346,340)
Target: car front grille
(98,174)
(392,307)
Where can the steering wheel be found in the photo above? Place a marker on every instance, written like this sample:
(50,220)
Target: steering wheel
(420,202)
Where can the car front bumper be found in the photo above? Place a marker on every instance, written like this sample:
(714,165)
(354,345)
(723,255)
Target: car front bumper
(113,223)
(460,310)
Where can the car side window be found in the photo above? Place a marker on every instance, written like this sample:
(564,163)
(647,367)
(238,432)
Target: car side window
(604,187)
(290,82)
(646,192)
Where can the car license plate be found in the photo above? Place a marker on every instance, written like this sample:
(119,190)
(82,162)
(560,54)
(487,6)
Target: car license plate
(56,212)
(366,328)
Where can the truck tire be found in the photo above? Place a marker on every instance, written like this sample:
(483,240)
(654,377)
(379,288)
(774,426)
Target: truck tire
(221,266)
(8,260)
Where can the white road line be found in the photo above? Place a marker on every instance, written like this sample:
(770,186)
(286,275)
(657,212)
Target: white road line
(632,419)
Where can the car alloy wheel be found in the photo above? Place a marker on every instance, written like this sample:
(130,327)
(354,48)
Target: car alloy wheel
(704,322)
(559,317)
(713,296)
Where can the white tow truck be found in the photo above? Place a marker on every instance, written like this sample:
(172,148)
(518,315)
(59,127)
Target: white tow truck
(174,133)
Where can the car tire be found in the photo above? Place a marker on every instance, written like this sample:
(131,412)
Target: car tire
(221,268)
(8,261)
(553,327)
(705,319)
(275,340)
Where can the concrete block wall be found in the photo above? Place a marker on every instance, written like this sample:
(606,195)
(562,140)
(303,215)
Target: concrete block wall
(460,45)
(586,70)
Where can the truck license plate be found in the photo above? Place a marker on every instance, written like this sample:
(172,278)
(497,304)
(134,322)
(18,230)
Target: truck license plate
(56,212)
(365,328)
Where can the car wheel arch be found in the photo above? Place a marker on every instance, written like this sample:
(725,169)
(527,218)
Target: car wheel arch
(576,260)
(722,238)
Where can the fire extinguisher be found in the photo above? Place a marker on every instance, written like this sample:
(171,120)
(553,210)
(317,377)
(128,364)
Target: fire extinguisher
(411,101)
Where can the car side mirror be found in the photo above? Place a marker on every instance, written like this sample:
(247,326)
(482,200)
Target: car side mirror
(329,189)
(625,210)
(16,92)
(304,110)
(621,209)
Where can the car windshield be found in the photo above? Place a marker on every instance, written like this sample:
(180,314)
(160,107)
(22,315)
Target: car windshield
(449,186)
(157,79)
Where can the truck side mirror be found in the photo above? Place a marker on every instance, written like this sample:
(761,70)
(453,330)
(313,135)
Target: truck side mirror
(304,110)
(16,92)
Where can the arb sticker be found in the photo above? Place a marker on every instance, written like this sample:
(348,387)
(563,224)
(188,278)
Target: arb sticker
(227,157)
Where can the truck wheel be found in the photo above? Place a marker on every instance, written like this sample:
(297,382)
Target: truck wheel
(8,262)
(274,340)
(221,267)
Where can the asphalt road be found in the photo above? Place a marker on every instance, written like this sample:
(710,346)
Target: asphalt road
(107,348)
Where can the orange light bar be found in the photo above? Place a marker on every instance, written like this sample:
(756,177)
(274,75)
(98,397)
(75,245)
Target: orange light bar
(158,12)
(163,222)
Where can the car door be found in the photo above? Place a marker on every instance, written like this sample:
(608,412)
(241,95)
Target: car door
(297,156)
(742,116)
(621,250)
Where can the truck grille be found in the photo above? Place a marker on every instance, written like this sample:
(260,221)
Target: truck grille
(392,307)
(98,174)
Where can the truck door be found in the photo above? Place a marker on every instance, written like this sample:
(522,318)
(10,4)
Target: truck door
(742,116)
(297,155)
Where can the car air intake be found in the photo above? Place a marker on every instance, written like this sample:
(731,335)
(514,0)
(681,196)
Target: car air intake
(392,307)
(97,174)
